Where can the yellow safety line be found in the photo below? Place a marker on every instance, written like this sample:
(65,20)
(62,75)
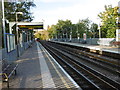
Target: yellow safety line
(63,80)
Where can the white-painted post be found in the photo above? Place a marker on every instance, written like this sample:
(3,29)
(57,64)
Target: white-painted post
(3,23)
(118,21)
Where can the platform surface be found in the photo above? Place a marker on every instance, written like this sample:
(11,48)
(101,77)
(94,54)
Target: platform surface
(38,69)
(96,47)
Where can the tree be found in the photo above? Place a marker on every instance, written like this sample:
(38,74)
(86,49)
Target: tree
(94,30)
(83,27)
(12,7)
(42,35)
(64,27)
(52,31)
(73,27)
(108,19)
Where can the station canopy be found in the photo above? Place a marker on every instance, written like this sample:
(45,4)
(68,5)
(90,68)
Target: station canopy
(30,25)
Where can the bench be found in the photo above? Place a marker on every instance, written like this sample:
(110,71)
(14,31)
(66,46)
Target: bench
(7,71)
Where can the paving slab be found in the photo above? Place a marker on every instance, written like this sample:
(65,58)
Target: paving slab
(38,69)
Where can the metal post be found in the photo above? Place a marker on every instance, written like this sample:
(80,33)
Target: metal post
(16,28)
(63,35)
(66,35)
(78,34)
(118,21)
(71,34)
(17,34)
(99,33)
(99,30)
(3,20)
(56,36)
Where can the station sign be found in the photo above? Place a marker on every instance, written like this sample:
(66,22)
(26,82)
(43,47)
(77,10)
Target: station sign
(30,25)
(84,36)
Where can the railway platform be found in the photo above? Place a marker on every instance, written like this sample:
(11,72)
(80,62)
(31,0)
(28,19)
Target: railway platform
(96,47)
(104,50)
(38,69)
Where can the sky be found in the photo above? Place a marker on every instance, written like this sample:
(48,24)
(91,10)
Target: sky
(50,11)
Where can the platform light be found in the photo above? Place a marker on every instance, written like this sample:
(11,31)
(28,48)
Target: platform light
(17,30)
(19,13)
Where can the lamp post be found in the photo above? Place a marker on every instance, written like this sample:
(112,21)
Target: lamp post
(118,22)
(43,21)
(16,24)
(66,35)
(71,34)
(78,34)
(17,31)
(99,30)
(63,34)
(3,23)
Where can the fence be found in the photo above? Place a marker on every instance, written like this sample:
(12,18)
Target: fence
(93,41)
(106,41)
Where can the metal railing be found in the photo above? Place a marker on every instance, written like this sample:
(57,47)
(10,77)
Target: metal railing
(93,41)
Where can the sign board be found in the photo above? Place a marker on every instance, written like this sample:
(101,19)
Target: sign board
(84,36)
(30,25)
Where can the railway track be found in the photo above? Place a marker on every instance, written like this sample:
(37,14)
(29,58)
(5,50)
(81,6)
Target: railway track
(84,75)
(108,64)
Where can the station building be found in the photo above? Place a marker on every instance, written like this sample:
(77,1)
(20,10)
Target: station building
(18,38)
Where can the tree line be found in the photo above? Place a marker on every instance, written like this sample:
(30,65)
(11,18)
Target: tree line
(107,27)
(63,29)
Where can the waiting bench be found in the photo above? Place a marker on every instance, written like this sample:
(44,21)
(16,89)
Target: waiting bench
(7,71)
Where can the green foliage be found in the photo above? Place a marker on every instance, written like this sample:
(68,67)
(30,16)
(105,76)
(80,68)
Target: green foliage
(108,19)
(60,29)
(52,31)
(37,35)
(94,32)
(83,27)
(43,35)
(12,7)
(63,29)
